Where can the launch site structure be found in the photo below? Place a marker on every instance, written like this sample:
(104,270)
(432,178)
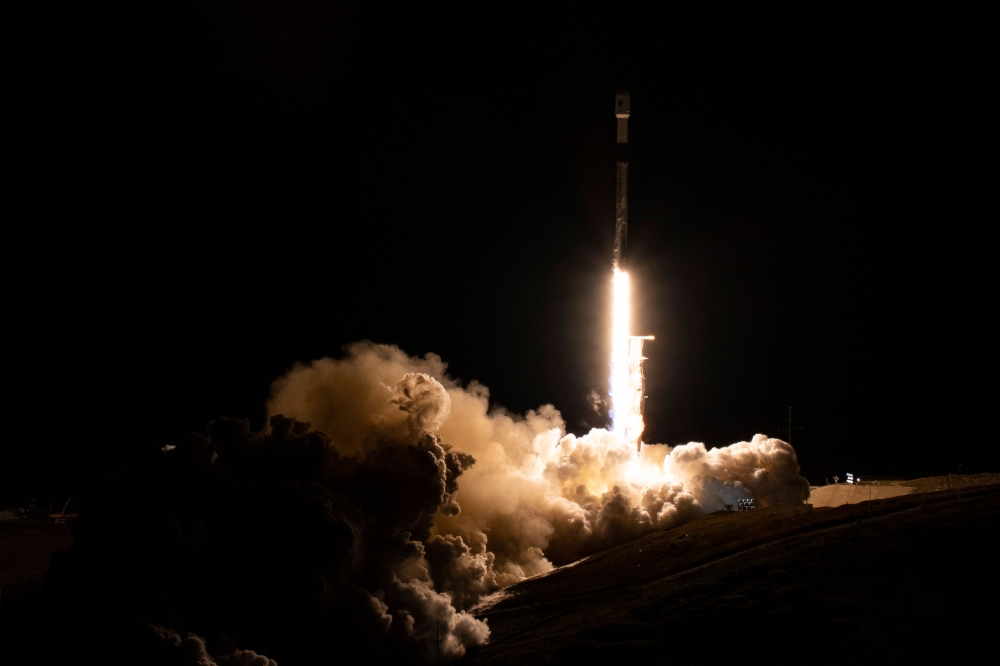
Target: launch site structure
(637,379)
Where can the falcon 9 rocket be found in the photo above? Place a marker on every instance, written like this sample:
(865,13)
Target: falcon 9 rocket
(628,383)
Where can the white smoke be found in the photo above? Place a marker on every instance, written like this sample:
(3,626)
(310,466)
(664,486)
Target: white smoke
(424,399)
(536,496)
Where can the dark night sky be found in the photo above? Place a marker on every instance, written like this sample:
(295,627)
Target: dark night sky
(206,196)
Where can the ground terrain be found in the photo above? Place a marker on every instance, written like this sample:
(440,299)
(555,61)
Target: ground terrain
(26,548)
(905,578)
(911,577)
(842,493)
(839,494)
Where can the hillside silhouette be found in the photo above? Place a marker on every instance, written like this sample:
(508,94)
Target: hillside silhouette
(904,578)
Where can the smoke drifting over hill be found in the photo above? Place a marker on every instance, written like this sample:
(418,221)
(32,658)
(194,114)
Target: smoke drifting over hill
(535,495)
(383,501)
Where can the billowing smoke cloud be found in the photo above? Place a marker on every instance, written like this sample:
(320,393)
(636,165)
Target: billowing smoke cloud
(535,497)
(377,528)
(282,542)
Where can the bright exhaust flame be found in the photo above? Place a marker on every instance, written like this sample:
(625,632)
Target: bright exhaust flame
(627,382)
(621,323)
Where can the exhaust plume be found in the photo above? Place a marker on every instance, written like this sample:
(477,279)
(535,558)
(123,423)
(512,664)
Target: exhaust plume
(536,497)
(375,529)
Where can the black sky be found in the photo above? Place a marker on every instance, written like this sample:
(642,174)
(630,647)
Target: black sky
(205,196)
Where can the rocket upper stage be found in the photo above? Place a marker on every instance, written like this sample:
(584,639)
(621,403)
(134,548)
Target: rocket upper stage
(622,112)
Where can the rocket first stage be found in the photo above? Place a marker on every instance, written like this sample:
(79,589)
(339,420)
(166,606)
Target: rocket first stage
(621,199)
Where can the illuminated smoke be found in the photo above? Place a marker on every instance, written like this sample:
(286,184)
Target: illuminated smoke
(377,528)
(290,543)
(536,496)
